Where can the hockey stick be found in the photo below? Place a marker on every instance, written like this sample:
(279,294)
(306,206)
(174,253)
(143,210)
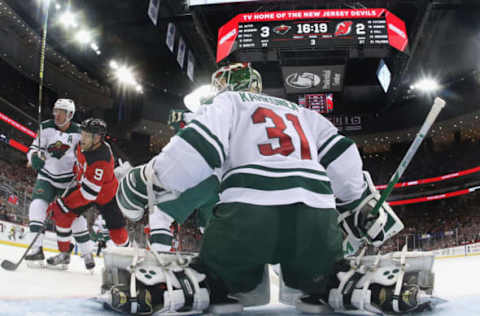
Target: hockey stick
(437,106)
(11,266)
(41,75)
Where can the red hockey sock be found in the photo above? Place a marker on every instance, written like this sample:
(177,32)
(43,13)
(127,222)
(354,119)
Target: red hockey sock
(119,236)
(63,246)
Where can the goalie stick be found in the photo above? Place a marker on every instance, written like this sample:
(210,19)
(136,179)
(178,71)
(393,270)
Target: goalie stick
(11,266)
(437,106)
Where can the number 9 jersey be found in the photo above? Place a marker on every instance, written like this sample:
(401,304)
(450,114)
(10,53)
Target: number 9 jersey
(95,177)
(266,151)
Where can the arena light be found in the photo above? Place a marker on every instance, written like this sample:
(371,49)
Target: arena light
(113,64)
(125,75)
(67,19)
(139,88)
(83,37)
(426,85)
(193,100)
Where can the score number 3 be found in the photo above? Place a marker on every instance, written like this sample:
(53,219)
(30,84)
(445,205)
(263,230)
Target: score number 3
(285,141)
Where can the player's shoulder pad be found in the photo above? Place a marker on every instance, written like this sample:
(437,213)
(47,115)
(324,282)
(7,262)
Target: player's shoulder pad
(48,124)
(74,128)
(102,153)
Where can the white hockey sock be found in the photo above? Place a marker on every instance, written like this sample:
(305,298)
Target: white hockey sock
(37,213)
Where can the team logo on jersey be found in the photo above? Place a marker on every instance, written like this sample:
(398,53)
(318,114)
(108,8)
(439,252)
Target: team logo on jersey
(282,29)
(302,80)
(343,28)
(58,149)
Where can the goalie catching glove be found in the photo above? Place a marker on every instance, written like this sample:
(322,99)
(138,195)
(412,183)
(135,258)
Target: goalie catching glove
(360,224)
(137,192)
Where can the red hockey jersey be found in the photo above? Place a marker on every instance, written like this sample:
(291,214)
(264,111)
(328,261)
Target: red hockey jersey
(96,179)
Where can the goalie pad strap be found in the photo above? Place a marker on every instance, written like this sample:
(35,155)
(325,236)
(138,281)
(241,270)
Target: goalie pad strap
(188,290)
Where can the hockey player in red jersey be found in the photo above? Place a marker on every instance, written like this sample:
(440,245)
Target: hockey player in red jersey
(97,185)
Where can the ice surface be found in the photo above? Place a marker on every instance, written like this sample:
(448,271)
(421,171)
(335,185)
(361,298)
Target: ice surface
(42,292)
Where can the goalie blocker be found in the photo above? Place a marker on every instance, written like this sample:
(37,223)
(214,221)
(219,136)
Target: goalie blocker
(361,226)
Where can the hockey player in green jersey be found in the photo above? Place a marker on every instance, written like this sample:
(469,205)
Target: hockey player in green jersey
(52,155)
(287,182)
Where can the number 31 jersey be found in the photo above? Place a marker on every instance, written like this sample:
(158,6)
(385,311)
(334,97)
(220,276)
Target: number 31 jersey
(267,151)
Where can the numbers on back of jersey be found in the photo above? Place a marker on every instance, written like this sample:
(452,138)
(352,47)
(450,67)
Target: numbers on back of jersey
(286,145)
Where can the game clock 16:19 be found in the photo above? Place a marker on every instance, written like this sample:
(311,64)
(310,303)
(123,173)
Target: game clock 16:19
(312,28)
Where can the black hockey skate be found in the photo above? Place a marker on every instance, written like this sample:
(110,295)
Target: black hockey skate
(312,304)
(89,261)
(35,257)
(59,262)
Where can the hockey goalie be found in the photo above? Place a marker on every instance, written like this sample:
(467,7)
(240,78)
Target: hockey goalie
(288,184)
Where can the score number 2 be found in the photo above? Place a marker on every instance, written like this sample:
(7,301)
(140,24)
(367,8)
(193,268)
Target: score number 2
(286,146)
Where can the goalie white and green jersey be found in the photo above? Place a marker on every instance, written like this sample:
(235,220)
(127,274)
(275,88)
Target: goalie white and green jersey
(269,152)
(59,149)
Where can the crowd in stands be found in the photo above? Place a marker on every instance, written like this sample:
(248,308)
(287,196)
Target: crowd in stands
(429,225)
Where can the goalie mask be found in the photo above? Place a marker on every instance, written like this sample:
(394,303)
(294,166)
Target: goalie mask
(237,77)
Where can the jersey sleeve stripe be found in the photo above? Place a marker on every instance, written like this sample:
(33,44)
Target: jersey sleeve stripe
(92,186)
(267,183)
(86,194)
(124,196)
(202,146)
(328,144)
(213,136)
(336,151)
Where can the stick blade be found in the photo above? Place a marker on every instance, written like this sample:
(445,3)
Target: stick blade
(8,265)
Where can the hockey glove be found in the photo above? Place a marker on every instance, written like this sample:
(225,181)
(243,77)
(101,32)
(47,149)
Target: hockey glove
(122,169)
(138,192)
(360,224)
(37,161)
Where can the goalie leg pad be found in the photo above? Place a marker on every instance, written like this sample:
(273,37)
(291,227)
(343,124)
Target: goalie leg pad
(167,287)
(399,282)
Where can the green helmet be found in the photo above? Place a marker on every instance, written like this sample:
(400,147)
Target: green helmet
(237,77)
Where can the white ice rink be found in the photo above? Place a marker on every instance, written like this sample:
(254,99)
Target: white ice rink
(33,292)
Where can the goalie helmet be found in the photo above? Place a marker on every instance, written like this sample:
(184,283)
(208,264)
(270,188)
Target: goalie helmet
(94,126)
(237,77)
(65,104)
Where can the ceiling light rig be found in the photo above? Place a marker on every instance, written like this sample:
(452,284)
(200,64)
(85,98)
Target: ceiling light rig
(125,76)
(428,85)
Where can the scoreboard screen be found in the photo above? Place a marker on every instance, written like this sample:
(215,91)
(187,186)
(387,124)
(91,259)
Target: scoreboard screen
(320,102)
(320,29)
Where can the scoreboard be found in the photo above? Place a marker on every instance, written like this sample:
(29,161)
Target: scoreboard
(318,29)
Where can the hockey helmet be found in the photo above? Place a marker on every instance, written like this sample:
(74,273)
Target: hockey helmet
(65,104)
(237,77)
(94,126)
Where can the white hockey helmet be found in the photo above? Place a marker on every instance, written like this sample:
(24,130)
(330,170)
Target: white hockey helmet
(65,104)
(237,77)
